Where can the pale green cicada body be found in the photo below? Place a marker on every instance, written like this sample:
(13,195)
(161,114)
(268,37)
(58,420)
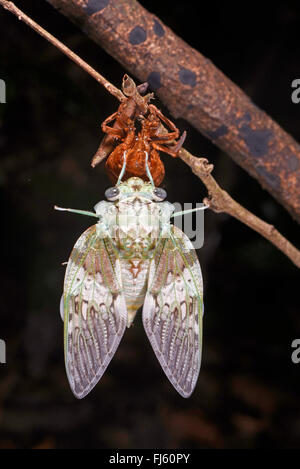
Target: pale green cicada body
(132,257)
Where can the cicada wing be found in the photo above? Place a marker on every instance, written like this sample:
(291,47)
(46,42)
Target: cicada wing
(94,310)
(173,310)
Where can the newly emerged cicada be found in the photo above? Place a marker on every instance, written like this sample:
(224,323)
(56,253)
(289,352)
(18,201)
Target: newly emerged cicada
(133,256)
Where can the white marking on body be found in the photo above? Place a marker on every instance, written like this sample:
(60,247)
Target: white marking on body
(84,307)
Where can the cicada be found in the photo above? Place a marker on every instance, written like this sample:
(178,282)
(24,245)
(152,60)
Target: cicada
(132,257)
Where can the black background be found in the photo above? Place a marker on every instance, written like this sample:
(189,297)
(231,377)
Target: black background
(248,391)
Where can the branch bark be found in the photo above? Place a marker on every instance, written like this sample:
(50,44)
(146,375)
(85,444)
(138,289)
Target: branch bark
(218,200)
(194,89)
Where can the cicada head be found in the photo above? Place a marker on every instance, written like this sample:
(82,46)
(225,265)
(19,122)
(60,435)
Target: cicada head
(134,187)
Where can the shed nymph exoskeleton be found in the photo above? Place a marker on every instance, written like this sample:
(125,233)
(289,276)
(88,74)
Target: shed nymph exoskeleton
(135,144)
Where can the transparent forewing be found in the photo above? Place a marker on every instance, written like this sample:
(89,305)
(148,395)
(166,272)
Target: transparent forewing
(95,312)
(173,310)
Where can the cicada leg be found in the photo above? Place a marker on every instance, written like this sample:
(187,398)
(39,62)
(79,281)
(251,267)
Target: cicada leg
(170,135)
(173,151)
(116,132)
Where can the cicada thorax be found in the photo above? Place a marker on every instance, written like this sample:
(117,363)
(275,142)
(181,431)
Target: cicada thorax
(135,228)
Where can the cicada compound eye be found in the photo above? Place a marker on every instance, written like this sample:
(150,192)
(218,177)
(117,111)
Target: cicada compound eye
(112,193)
(159,194)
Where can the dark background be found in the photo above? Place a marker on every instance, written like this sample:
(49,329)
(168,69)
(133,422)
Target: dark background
(248,391)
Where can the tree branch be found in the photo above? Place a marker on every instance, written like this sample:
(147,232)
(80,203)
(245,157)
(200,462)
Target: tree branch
(194,89)
(218,200)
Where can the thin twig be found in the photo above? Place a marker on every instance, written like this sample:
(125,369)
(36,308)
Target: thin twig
(10,6)
(218,200)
